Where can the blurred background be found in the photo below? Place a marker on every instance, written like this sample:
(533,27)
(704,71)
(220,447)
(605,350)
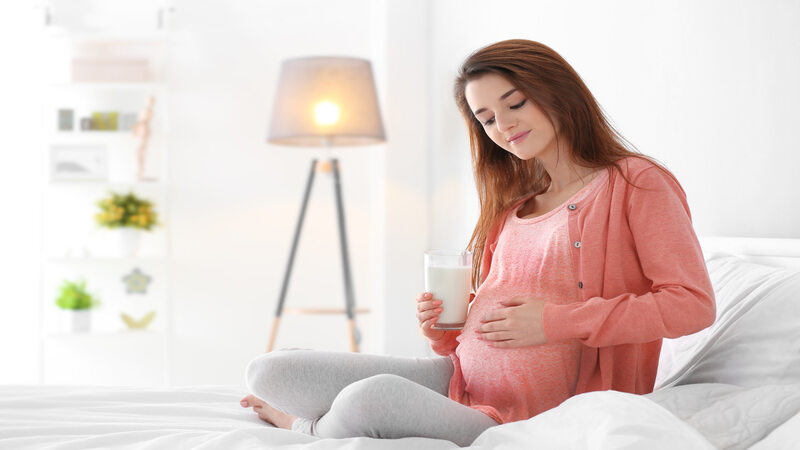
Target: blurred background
(708,88)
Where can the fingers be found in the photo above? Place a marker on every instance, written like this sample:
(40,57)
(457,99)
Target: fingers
(490,330)
(495,336)
(427,307)
(424,296)
(428,315)
(494,316)
(428,310)
(424,300)
(427,324)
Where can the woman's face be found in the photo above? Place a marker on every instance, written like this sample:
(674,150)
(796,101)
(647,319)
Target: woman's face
(510,119)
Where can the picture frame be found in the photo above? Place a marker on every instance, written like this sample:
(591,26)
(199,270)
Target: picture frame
(78,163)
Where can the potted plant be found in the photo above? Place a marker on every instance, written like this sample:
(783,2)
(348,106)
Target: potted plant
(128,215)
(77,301)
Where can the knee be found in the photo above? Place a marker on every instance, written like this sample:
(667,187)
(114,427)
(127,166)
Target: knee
(360,406)
(265,374)
(369,389)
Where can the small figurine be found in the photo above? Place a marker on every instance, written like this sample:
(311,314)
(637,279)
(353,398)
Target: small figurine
(140,324)
(141,130)
(136,282)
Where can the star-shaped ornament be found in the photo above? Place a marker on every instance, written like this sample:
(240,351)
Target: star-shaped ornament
(136,282)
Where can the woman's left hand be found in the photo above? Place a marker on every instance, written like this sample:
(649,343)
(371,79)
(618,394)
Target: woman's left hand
(517,324)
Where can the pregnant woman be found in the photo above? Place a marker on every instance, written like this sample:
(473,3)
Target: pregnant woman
(584,259)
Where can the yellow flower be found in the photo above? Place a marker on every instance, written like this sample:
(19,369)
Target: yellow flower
(125,210)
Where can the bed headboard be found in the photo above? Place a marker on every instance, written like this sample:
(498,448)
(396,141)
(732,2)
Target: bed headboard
(769,251)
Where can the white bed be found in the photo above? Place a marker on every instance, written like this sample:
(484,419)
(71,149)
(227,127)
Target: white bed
(733,385)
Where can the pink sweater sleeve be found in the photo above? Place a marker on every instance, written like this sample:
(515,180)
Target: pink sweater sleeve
(681,300)
(446,345)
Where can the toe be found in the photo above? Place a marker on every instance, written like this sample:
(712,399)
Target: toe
(247,401)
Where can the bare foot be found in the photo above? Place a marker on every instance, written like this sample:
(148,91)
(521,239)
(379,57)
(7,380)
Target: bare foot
(268,413)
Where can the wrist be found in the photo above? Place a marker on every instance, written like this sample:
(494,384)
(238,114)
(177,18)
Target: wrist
(441,336)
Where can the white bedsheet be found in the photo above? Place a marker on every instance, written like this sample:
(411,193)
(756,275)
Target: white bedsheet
(209,417)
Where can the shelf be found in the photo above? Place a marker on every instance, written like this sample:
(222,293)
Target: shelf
(73,247)
(109,86)
(106,259)
(94,137)
(140,358)
(154,36)
(93,133)
(112,185)
(126,334)
(98,137)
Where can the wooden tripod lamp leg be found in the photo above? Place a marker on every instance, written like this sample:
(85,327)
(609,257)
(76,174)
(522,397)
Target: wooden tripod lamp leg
(353,340)
(273,334)
(290,263)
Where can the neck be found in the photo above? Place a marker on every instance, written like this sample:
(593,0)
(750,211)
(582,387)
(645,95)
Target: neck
(563,172)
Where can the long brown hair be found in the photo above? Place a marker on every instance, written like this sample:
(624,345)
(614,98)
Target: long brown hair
(548,80)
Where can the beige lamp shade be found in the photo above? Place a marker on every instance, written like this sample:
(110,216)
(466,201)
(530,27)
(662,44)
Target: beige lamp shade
(326,100)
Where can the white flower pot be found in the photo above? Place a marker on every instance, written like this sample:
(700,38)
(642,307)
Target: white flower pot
(127,241)
(75,320)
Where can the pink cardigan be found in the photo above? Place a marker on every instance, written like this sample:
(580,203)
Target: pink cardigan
(642,276)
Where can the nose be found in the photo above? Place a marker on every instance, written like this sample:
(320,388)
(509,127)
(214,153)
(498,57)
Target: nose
(504,122)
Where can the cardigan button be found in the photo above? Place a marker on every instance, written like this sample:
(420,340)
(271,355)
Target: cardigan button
(580,284)
(572,206)
(577,244)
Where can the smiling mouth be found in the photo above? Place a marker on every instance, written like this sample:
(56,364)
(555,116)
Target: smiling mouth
(519,137)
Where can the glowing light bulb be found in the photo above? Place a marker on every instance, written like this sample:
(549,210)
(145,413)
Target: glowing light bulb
(326,113)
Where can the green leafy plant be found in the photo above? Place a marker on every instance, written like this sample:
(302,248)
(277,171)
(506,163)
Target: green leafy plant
(126,210)
(73,295)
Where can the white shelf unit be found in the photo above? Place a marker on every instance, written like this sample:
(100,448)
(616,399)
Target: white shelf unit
(136,358)
(74,247)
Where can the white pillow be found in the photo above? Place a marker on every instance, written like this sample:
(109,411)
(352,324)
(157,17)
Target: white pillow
(755,339)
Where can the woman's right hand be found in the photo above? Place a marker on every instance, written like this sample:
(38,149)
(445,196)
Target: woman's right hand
(428,310)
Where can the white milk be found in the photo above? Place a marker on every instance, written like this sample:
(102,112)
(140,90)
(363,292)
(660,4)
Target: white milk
(451,285)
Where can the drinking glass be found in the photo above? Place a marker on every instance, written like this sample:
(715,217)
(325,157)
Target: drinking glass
(448,277)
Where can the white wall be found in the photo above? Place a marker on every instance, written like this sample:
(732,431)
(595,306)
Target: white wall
(235,199)
(709,88)
(19,193)
(406,215)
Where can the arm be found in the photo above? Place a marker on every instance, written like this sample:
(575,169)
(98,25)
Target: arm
(681,299)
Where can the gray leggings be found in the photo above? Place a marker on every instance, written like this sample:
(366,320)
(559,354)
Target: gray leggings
(339,395)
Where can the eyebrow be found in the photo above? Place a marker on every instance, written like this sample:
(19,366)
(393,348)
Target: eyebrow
(502,97)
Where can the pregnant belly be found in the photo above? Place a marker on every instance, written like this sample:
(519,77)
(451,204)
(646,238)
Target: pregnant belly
(522,381)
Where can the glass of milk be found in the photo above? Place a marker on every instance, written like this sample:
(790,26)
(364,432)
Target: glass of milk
(448,276)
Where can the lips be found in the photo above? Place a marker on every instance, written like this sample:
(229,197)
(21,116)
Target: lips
(517,138)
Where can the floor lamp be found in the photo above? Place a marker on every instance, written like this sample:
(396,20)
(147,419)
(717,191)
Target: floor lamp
(325,101)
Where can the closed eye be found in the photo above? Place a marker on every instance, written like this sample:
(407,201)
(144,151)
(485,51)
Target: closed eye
(517,106)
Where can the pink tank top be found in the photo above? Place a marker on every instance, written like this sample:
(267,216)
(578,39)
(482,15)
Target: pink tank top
(532,259)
